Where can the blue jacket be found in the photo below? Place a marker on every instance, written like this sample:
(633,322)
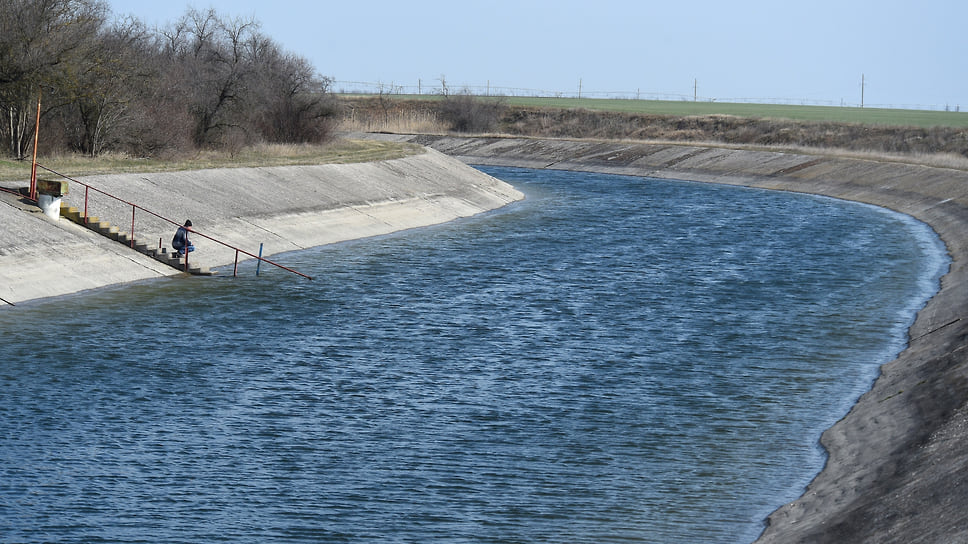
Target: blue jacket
(180,241)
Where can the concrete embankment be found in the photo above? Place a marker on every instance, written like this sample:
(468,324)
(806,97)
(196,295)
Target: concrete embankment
(897,469)
(284,208)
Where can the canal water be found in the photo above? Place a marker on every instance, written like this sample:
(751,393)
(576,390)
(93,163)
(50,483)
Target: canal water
(614,359)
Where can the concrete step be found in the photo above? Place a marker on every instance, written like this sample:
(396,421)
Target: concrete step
(112,232)
(178,261)
(70,213)
(98,226)
(105,228)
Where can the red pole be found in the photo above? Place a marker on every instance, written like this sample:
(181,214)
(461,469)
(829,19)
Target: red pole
(187,230)
(86,190)
(33,168)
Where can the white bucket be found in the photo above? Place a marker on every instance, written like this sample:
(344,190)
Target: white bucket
(50,205)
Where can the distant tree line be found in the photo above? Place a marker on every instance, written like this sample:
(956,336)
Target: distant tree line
(106,84)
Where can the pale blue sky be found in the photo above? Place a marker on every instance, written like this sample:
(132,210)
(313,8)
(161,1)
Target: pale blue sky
(910,53)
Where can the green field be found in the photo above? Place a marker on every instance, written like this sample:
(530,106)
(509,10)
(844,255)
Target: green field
(870,116)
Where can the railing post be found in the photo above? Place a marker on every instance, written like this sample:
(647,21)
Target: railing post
(33,167)
(131,238)
(235,271)
(87,189)
(259,263)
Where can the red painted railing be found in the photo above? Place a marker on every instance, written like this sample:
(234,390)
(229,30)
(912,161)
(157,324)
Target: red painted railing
(135,207)
(18,193)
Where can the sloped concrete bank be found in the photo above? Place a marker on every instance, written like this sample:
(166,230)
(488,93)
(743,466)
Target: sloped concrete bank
(897,469)
(284,208)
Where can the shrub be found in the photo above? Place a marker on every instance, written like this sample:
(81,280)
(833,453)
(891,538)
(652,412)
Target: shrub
(466,113)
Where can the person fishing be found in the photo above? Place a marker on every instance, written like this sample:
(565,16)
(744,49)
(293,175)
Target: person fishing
(181,242)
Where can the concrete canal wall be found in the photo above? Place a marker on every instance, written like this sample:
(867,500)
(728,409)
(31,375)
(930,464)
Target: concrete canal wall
(285,208)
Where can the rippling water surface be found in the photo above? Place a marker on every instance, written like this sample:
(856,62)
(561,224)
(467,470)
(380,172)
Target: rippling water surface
(614,359)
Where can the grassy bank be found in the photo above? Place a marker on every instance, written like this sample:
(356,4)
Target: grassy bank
(684,108)
(929,137)
(867,116)
(940,138)
(337,152)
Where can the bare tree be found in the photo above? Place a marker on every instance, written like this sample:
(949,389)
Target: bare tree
(443,86)
(41,42)
(296,106)
(468,113)
(210,54)
(203,81)
(107,86)
(386,102)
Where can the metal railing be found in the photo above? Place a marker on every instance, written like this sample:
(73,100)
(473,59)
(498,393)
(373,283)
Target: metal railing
(18,193)
(135,208)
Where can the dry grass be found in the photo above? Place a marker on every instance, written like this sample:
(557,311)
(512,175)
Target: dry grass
(404,121)
(688,108)
(940,146)
(340,151)
(817,135)
(944,147)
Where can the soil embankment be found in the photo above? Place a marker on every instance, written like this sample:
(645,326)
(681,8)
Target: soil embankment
(284,208)
(898,462)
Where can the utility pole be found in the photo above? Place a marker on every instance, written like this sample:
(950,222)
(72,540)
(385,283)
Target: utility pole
(862,90)
(695,90)
(579,88)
